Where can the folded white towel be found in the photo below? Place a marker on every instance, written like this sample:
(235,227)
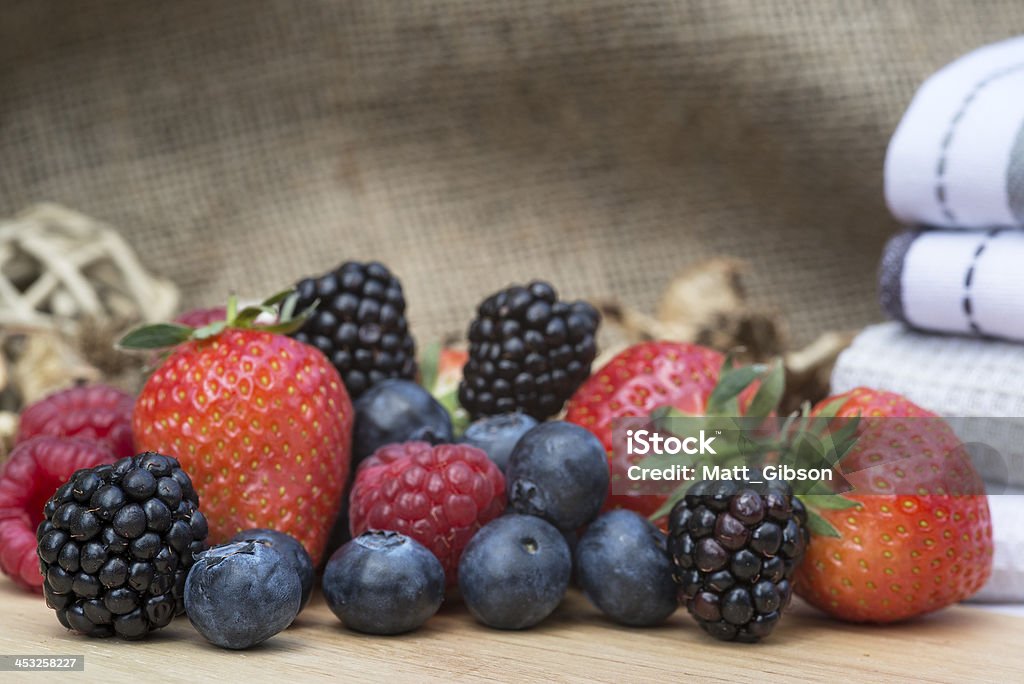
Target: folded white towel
(977,384)
(963,282)
(957,157)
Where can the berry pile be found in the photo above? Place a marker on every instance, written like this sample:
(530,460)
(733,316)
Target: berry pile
(254,409)
(735,549)
(116,544)
(360,324)
(528,352)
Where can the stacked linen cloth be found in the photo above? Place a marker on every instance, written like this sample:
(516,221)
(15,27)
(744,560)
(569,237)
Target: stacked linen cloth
(977,384)
(954,280)
(956,163)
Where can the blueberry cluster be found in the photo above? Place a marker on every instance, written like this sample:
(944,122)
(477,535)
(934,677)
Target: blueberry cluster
(116,546)
(735,548)
(528,352)
(359,324)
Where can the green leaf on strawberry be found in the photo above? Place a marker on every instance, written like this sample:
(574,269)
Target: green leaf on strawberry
(281,307)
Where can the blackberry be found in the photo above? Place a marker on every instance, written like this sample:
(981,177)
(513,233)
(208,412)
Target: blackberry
(735,547)
(116,544)
(359,324)
(528,352)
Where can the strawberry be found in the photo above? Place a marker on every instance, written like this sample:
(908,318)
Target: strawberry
(915,535)
(197,318)
(449,371)
(636,382)
(440,373)
(261,422)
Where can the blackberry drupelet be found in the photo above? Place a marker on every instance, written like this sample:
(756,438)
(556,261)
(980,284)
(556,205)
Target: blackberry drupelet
(116,544)
(528,352)
(359,324)
(735,547)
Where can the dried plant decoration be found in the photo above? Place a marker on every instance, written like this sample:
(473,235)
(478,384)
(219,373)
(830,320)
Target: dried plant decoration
(708,305)
(69,286)
(58,266)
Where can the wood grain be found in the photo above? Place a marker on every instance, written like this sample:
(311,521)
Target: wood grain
(576,644)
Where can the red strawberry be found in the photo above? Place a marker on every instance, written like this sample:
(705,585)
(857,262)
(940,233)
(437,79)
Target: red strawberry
(197,318)
(440,496)
(918,536)
(450,361)
(637,381)
(260,421)
(95,412)
(34,471)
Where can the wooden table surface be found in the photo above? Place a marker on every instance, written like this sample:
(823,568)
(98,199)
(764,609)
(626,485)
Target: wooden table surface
(575,644)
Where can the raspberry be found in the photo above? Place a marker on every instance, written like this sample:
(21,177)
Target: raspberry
(36,468)
(95,412)
(197,318)
(438,495)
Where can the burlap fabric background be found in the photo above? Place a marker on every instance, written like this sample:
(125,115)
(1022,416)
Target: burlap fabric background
(604,145)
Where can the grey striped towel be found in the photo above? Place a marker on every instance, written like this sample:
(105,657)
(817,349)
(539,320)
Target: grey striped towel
(962,282)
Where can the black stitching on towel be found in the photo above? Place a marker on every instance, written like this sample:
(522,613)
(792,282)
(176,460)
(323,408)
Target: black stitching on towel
(966,303)
(947,139)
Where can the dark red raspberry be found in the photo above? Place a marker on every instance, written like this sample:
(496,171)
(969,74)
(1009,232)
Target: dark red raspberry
(438,495)
(33,473)
(95,412)
(197,318)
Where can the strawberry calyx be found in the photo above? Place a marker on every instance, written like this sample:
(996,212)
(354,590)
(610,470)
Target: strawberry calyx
(281,307)
(750,438)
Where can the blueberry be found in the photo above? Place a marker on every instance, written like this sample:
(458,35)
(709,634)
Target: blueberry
(625,570)
(397,411)
(240,594)
(514,572)
(558,471)
(383,583)
(498,435)
(292,551)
